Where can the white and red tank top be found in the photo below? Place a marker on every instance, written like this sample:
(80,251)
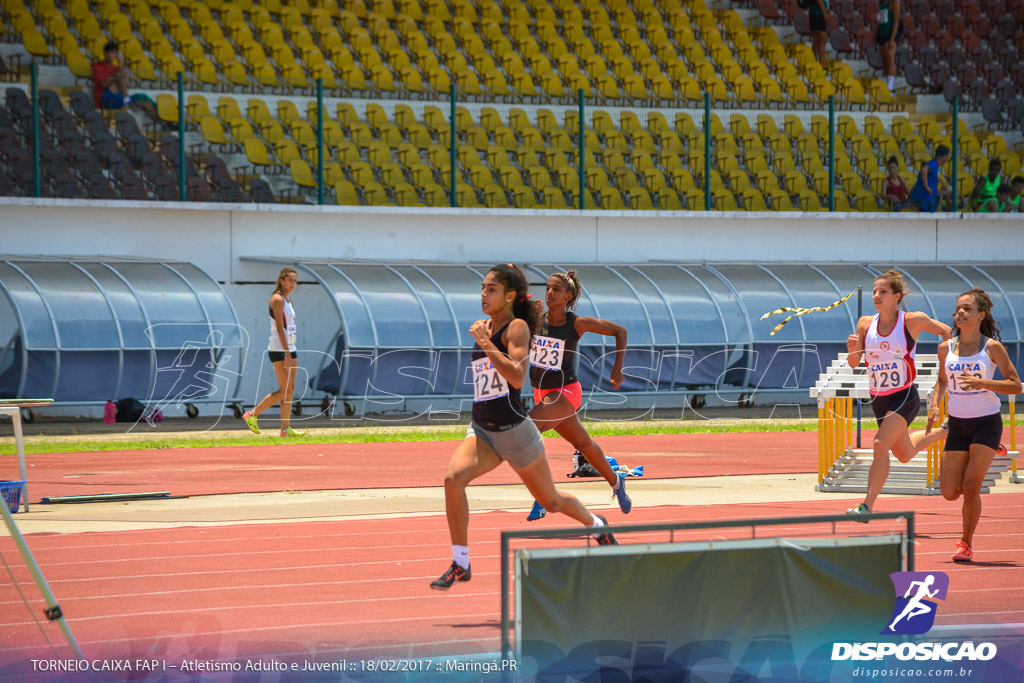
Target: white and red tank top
(967,402)
(890,359)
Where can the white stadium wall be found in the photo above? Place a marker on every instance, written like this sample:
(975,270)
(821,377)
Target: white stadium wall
(216,236)
(222,239)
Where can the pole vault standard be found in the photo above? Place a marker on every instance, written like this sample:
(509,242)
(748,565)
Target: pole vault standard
(52,611)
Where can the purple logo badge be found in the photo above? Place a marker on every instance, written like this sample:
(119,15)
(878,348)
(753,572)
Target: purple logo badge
(915,608)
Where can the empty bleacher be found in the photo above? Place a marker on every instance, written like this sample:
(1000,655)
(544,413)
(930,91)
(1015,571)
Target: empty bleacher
(251,120)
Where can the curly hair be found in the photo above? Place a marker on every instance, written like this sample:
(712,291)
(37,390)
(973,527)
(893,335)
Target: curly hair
(990,327)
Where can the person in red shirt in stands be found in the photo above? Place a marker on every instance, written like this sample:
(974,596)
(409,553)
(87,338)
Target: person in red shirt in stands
(110,83)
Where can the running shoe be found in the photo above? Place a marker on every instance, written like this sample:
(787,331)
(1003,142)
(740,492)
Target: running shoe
(963,553)
(858,511)
(292,432)
(606,538)
(250,422)
(454,573)
(625,504)
(536,513)
(1001,451)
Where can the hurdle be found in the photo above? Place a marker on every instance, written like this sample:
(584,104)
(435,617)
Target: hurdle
(557,601)
(843,467)
(12,407)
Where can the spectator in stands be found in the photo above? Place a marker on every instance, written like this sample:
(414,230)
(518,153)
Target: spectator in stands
(894,188)
(888,34)
(1001,203)
(817,15)
(110,83)
(985,189)
(926,192)
(1016,192)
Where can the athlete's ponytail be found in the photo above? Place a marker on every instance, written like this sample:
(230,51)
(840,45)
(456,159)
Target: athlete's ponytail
(514,280)
(281,276)
(989,327)
(572,281)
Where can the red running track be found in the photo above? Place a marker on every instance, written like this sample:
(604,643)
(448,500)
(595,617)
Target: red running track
(311,467)
(360,588)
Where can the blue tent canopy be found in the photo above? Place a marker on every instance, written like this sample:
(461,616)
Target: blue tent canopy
(403,327)
(91,330)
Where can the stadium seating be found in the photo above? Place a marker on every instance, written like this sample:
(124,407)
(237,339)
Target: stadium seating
(250,113)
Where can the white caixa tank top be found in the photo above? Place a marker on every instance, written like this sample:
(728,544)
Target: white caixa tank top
(967,402)
(890,359)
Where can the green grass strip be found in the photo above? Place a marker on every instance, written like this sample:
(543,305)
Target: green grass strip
(396,434)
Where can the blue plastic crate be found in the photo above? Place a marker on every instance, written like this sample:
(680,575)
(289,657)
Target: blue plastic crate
(10,491)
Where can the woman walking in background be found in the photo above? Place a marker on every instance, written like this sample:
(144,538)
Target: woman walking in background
(282,354)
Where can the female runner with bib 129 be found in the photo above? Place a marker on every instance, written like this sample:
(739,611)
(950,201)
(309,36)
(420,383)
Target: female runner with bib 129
(968,362)
(500,429)
(557,393)
(888,342)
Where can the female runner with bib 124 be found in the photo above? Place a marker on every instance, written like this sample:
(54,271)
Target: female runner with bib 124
(968,362)
(283,355)
(500,429)
(888,341)
(557,393)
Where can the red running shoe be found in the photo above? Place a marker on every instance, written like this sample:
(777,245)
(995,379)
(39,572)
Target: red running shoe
(963,553)
(1001,451)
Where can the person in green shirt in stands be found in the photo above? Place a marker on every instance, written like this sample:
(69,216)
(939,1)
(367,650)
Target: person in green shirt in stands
(1016,193)
(985,189)
(1001,204)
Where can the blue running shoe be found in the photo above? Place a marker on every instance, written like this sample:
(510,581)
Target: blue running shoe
(625,504)
(536,513)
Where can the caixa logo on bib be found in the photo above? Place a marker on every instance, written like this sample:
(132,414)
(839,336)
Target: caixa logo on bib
(916,595)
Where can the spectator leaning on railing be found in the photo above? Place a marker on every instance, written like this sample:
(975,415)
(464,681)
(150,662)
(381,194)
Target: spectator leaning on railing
(926,193)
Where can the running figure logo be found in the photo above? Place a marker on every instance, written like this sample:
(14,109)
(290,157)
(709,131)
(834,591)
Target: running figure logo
(914,612)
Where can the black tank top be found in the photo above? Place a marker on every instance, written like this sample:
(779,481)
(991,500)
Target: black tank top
(503,411)
(553,363)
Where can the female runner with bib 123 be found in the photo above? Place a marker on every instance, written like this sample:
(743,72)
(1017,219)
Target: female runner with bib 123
(283,355)
(557,393)
(500,429)
(888,343)
(968,362)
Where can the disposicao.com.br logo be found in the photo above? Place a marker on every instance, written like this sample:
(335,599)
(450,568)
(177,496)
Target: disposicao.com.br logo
(914,614)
